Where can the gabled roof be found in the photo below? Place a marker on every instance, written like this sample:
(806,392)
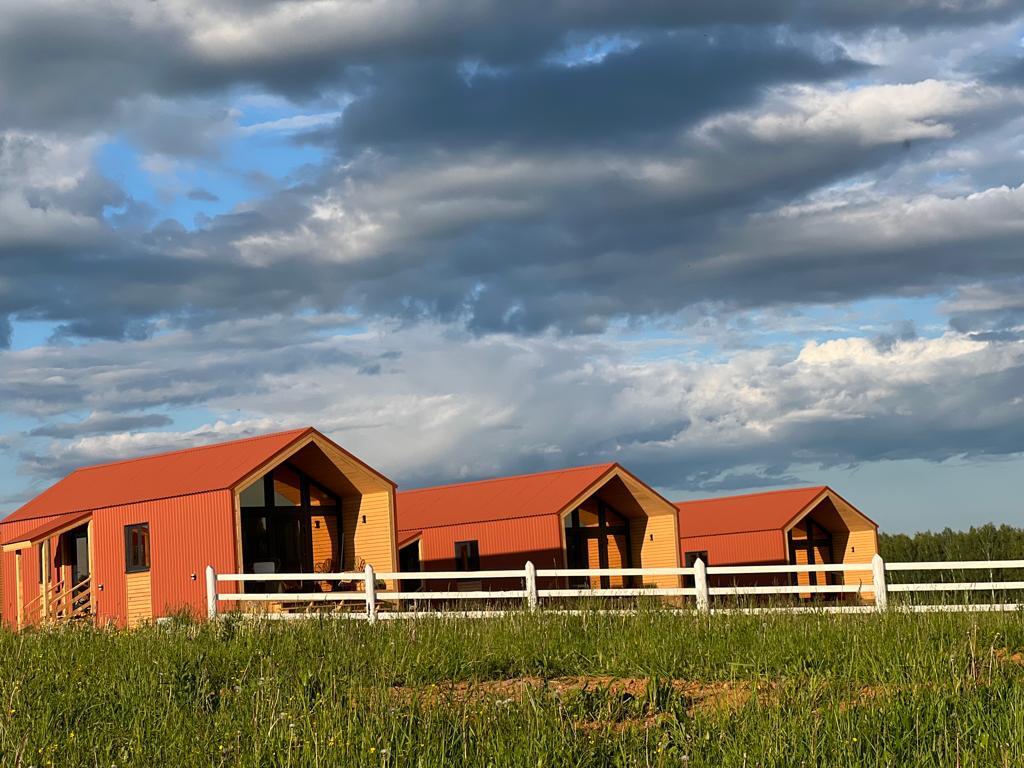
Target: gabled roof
(502,498)
(159,476)
(743,514)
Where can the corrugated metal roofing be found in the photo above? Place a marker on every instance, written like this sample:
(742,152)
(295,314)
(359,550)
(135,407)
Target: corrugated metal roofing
(164,475)
(502,498)
(51,524)
(741,514)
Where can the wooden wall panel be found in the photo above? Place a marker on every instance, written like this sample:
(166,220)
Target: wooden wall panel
(372,541)
(594,560)
(617,558)
(138,598)
(656,545)
(859,547)
(326,546)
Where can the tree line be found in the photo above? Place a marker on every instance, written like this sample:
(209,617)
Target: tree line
(984,542)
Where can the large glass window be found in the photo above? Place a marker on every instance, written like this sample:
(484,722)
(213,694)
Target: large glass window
(289,525)
(136,547)
(254,495)
(287,488)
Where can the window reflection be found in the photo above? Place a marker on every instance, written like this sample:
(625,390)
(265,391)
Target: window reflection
(287,488)
(254,495)
(318,498)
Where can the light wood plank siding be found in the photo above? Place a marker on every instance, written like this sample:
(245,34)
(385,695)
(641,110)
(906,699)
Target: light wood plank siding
(326,546)
(139,598)
(656,545)
(325,540)
(857,547)
(372,541)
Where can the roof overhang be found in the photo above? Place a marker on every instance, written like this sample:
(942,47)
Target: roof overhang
(55,526)
(652,502)
(364,477)
(827,493)
(408,537)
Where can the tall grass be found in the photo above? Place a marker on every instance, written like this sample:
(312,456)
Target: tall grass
(917,690)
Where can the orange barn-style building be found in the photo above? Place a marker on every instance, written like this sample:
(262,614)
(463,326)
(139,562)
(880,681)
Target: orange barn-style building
(128,542)
(585,517)
(799,526)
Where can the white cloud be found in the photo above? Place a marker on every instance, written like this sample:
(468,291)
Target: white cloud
(424,405)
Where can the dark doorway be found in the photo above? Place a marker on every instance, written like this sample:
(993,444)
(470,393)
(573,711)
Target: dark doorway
(689,559)
(409,562)
(76,550)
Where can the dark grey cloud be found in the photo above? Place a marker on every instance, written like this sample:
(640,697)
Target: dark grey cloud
(723,158)
(69,65)
(633,95)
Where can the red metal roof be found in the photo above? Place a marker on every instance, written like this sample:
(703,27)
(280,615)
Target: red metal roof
(502,498)
(160,476)
(742,514)
(51,524)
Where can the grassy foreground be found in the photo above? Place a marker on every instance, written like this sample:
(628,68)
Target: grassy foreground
(654,689)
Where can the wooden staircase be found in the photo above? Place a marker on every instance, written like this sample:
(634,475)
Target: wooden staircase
(61,604)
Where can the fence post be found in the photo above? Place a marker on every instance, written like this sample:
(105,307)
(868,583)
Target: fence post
(700,581)
(880,586)
(371,593)
(532,596)
(211,592)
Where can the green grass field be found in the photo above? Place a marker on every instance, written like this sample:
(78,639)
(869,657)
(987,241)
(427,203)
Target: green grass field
(652,689)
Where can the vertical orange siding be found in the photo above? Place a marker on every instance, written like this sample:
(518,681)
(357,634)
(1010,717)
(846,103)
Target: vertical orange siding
(738,548)
(187,533)
(503,543)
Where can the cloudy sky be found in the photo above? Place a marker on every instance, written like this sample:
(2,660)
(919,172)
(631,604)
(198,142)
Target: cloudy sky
(732,245)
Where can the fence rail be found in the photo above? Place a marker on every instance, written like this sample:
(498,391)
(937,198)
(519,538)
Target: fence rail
(369,588)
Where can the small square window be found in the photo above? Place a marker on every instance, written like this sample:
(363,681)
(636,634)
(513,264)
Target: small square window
(136,547)
(467,556)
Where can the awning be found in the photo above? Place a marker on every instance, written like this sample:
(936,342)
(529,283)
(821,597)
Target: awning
(51,527)
(407,537)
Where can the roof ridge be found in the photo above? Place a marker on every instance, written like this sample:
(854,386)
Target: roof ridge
(203,447)
(755,493)
(503,478)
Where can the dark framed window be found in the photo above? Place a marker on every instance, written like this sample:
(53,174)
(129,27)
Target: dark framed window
(136,547)
(467,555)
(688,560)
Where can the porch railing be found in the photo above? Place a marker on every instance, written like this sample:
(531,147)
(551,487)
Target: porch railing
(60,602)
(367,595)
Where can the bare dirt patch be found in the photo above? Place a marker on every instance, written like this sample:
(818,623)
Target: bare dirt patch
(700,696)
(1009,657)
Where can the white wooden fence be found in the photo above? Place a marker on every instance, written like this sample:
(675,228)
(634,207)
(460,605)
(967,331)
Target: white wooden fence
(366,598)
